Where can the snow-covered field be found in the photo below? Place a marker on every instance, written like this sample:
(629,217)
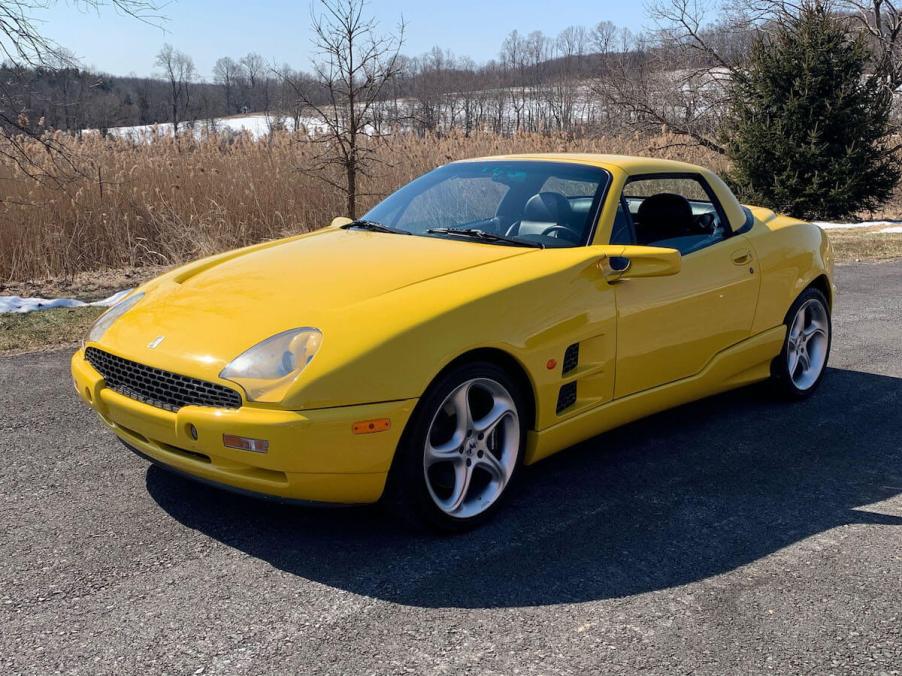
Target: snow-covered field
(524,107)
(257,125)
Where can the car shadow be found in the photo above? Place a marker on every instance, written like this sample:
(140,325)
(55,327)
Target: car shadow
(678,497)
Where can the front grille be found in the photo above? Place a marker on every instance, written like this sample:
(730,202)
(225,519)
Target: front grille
(159,388)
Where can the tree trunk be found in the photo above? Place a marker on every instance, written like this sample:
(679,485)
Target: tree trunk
(352,189)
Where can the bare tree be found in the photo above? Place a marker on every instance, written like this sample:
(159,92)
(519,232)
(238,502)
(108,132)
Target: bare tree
(515,62)
(563,88)
(23,43)
(678,77)
(705,52)
(254,68)
(881,21)
(604,37)
(227,72)
(289,103)
(431,89)
(254,71)
(177,68)
(355,63)
(24,46)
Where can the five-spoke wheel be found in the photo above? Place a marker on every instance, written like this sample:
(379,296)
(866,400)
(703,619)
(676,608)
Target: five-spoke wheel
(462,450)
(801,364)
(471,447)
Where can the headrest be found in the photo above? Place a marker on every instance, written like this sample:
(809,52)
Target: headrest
(548,207)
(665,211)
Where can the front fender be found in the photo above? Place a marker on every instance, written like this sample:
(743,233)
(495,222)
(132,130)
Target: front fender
(530,307)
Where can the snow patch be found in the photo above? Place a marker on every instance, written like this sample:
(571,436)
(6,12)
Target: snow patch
(892,230)
(825,225)
(257,126)
(19,305)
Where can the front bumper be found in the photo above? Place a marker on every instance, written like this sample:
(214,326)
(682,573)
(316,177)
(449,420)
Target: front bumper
(312,455)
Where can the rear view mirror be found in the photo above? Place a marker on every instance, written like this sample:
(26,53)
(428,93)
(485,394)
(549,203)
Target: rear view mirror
(623,262)
(339,221)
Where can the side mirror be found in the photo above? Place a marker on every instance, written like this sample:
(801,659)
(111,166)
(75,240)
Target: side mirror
(623,262)
(339,221)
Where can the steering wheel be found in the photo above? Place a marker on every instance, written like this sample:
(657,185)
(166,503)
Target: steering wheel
(566,233)
(705,223)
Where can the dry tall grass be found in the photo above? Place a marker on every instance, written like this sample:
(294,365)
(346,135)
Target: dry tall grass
(156,203)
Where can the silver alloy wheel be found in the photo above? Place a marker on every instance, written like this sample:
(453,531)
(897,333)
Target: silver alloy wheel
(471,447)
(806,347)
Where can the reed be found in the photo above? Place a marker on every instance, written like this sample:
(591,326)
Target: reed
(115,203)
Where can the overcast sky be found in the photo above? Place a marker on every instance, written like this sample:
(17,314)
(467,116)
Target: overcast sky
(279,29)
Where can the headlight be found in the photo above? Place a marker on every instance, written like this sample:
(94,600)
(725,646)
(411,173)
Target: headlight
(107,318)
(267,369)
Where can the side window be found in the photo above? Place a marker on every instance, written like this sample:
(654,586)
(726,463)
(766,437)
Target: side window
(672,211)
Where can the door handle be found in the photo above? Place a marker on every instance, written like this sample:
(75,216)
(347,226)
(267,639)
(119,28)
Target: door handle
(741,257)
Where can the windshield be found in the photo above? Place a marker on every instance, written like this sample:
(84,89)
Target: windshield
(554,204)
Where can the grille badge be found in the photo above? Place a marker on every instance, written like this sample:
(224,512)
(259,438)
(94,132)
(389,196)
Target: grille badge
(155,342)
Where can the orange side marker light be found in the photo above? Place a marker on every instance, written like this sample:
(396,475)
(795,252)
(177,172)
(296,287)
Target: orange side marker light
(551,364)
(371,426)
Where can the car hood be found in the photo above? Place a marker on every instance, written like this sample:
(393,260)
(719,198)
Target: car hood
(207,314)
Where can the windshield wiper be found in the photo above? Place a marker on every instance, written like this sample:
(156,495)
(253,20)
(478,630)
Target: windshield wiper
(373,226)
(476,233)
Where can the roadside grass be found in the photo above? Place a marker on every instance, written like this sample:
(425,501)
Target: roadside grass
(86,286)
(45,329)
(850,246)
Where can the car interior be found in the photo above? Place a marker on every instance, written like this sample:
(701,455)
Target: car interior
(553,214)
(665,219)
(668,219)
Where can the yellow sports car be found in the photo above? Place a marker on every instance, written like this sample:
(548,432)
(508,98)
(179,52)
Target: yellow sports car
(486,315)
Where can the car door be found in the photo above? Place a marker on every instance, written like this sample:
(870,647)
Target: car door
(669,328)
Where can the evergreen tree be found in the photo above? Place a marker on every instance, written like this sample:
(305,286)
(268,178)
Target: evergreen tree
(810,126)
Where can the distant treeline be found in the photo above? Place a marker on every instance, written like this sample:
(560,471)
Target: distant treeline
(74,99)
(599,78)
(535,82)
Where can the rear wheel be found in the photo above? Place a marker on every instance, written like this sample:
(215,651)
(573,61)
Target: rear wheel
(462,449)
(802,362)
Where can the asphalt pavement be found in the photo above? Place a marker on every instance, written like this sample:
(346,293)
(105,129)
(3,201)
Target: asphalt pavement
(739,534)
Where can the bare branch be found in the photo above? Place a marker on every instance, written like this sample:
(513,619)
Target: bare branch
(354,64)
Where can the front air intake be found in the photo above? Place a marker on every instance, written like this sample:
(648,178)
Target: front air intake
(571,358)
(153,386)
(566,397)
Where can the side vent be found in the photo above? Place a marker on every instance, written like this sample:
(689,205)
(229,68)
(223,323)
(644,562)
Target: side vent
(566,397)
(571,358)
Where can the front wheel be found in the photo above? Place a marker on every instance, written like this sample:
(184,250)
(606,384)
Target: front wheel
(462,449)
(802,362)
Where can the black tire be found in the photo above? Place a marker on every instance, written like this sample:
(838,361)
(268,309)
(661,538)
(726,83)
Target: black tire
(782,379)
(408,494)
